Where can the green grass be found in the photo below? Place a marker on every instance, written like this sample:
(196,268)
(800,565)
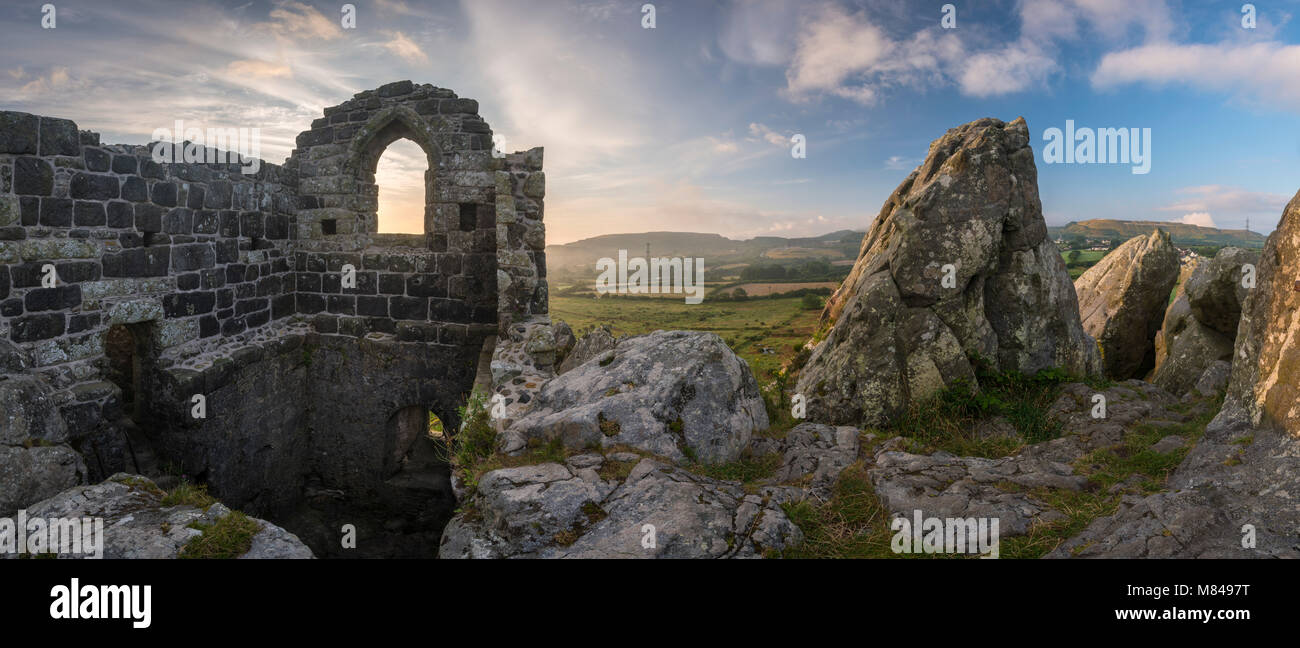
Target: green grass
(747,326)
(948,420)
(477,439)
(852,524)
(747,469)
(230,537)
(1087,259)
(1104,468)
(189,494)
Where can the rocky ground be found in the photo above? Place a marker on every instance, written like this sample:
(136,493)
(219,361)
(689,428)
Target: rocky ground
(595,504)
(142,521)
(981,397)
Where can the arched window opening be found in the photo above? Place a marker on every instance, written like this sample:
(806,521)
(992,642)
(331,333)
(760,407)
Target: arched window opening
(400,176)
(416,441)
(436,431)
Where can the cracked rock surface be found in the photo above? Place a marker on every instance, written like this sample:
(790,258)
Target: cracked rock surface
(137,525)
(813,456)
(658,511)
(945,485)
(675,394)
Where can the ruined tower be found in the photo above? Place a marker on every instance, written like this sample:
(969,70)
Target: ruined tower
(132,291)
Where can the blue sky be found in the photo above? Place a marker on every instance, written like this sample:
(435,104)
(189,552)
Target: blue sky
(687,126)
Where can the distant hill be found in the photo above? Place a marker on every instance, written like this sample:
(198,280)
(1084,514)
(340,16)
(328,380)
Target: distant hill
(1184,235)
(716,249)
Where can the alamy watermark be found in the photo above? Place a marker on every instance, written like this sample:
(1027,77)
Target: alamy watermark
(212,146)
(66,536)
(654,276)
(77,601)
(1084,145)
(945,535)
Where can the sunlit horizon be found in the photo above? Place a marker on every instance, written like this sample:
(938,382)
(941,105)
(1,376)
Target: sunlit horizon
(688,126)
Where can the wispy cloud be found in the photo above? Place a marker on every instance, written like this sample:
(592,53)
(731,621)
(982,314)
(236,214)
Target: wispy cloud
(900,163)
(847,55)
(406,48)
(1219,198)
(761,132)
(259,69)
(1228,206)
(296,21)
(1260,72)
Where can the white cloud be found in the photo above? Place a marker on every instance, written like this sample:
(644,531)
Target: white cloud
(1224,199)
(1111,20)
(554,86)
(397,7)
(723,145)
(900,163)
(851,56)
(56,79)
(848,56)
(406,48)
(296,21)
(1014,68)
(258,69)
(762,132)
(1231,207)
(759,31)
(1198,218)
(1264,72)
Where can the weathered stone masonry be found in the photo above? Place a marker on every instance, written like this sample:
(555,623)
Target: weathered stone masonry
(231,287)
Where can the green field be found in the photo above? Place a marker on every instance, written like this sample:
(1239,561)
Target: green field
(746,326)
(1086,260)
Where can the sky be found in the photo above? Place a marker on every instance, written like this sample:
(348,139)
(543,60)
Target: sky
(687,126)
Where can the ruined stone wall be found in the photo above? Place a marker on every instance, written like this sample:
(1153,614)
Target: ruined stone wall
(442,285)
(252,448)
(185,253)
(232,287)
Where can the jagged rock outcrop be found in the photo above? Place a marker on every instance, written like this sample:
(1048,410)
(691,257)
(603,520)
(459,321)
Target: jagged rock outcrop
(957,264)
(657,511)
(1216,291)
(676,394)
(812,458)
(1200,326)
(35,460)
(138,525)
(1122,300)
(564,340)
(29,474)
(594,343)
(1246,468)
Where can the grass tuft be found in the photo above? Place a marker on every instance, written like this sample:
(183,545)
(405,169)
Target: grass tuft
(748,468)
(948,420)
(230,537)
(189,494)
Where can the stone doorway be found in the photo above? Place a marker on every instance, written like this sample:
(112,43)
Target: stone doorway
(124,347)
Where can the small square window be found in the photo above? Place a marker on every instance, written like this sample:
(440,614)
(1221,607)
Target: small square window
(468,217)
(329,226)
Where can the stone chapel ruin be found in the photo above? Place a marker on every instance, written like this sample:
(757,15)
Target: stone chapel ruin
(174,280)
